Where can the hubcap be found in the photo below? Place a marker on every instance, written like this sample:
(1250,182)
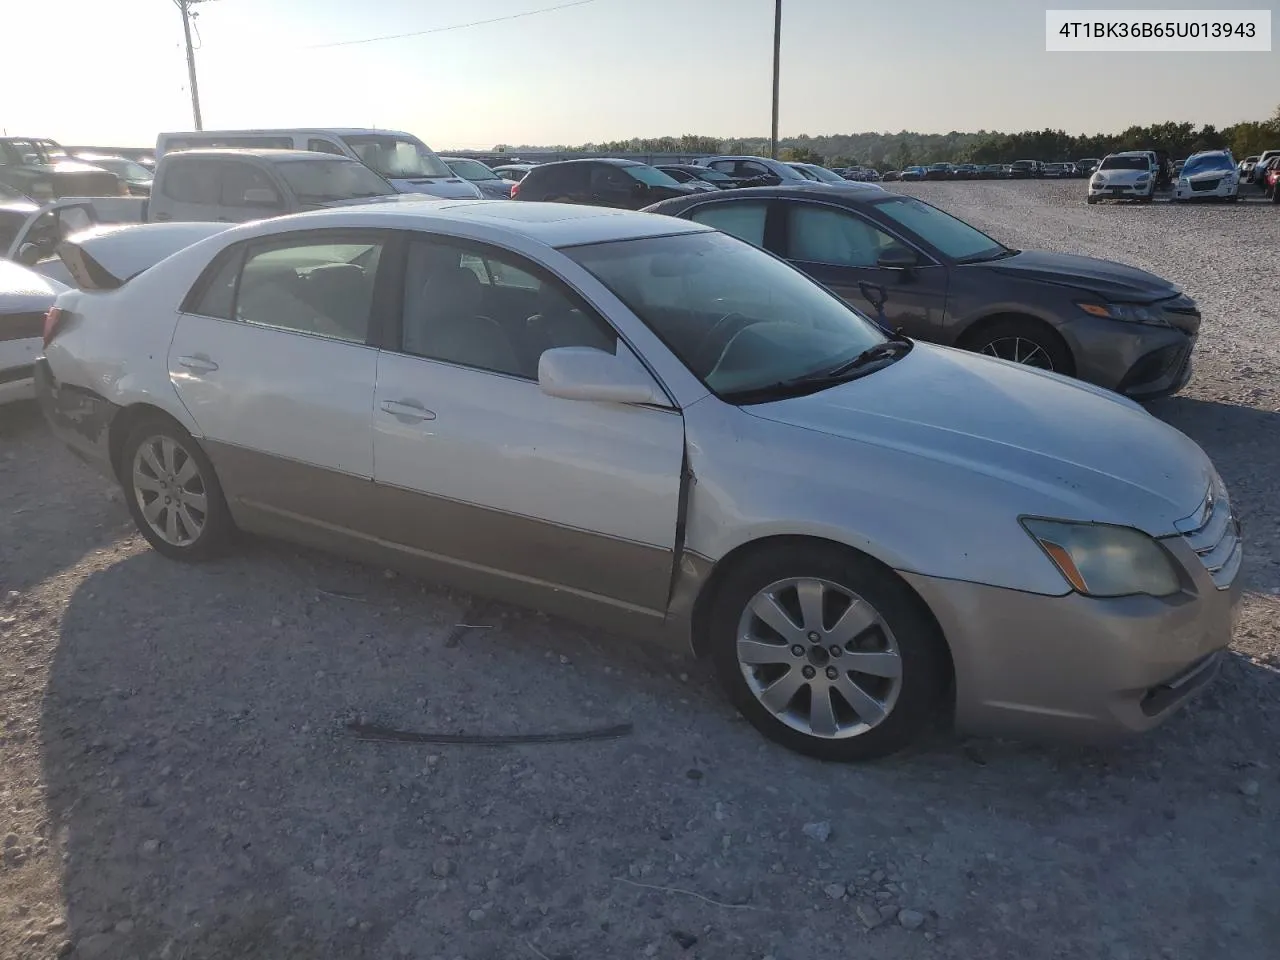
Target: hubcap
(819,657)
(170,491)
(1019,350)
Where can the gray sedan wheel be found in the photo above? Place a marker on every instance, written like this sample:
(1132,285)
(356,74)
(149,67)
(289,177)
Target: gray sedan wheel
(826,651)
(172,491)
(1021,340)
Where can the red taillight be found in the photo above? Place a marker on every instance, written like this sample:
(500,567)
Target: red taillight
(51,321)
(515,188)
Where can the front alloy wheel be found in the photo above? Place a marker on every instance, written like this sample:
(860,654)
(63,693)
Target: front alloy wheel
(819,658)
(1019,350)
(826,651)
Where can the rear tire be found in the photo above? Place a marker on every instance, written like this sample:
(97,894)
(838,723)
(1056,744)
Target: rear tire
(822,705)
(173,493)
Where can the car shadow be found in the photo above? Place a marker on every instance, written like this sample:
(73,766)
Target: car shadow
(57,509)
(211,801)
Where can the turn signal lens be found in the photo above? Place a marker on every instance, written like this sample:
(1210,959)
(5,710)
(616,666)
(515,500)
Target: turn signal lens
(51,321)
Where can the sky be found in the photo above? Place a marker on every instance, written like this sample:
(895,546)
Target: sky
(114,73)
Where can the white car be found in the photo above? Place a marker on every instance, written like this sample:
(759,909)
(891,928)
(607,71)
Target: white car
(1208,175)
(25,298)
(1124,176)
(655,427)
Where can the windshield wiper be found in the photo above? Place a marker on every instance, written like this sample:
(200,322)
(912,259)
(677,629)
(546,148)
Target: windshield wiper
(859,366)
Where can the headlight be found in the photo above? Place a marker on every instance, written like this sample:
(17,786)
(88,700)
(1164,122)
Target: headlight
(1100,560)
(1143,178)
(1183,180)
(1128,312)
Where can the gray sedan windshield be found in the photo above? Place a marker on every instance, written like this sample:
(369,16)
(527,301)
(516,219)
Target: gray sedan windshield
(953,238)
(737,317)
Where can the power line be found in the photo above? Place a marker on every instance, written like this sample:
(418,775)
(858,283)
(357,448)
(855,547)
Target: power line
(456,26)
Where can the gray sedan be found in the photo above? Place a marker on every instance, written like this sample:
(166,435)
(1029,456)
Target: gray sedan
(655,427)
(922,271)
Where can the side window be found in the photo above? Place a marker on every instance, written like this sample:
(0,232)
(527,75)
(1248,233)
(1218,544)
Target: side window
(324,146)
(325,289)
(238,179)
(215,292)
(605,176)
(826,235)
(749,168)
(192,180)
(724,166)
(503,325)
(742,219)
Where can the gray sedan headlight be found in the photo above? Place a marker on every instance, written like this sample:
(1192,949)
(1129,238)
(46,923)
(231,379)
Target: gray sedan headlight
(1100,560)
(1128,312)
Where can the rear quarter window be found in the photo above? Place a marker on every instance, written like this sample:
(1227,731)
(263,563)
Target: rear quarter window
(192,180)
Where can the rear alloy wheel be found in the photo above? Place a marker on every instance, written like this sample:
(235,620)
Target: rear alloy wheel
(1022,342)
(173,493)
(827,653)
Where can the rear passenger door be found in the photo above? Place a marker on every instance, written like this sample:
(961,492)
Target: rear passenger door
(540,499)
(271,359)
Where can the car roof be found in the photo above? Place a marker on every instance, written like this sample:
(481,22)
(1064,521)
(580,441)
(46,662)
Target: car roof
(553,224)
(612,161)
(275,156)
(850,194)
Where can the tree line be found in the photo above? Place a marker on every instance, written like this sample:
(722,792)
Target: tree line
(897,150)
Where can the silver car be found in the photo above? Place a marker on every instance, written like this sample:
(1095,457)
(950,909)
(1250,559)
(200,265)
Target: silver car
(653,426)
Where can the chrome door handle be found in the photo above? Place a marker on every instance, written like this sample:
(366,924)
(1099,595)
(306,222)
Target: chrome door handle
(198,364)
(408,409)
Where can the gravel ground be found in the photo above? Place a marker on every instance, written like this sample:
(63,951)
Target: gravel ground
(177,780)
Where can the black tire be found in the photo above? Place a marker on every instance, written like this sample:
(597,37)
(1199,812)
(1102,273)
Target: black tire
(925,662)
(988,335)
(218,528)
(1090,199)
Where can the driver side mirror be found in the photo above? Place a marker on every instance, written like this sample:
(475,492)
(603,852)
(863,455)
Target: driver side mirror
(897,258)
(585,373)
(29,254)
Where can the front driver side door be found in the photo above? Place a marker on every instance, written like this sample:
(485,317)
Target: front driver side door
(568,505)
(841,250)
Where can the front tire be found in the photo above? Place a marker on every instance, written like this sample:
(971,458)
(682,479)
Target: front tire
(1021,341)
(827,653)
(173,493)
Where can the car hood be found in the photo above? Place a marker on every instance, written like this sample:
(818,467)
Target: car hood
(449,188)
(1059,447)
(1208,174)
(1114,281)
(23,290)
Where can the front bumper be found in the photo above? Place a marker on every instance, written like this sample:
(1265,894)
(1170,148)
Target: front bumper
(79,418)
(1142,361)
(1120,191)
(1220,191)
(1078,668)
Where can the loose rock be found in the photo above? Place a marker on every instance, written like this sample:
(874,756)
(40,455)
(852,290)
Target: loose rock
(819,831)
(911,919)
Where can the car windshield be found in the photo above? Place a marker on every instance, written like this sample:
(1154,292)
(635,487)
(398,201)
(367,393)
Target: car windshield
(652,176)
(805,172)
(397,157)
(471,169)
(953,238)
(1023,164)
(326,180)
(737,317)
(1210,162)
(822,173)
(1125,163)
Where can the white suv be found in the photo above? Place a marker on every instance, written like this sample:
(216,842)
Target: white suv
(1208,175)
(1125,176)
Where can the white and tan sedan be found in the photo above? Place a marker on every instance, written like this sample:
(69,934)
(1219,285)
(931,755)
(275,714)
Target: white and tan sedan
(651,425)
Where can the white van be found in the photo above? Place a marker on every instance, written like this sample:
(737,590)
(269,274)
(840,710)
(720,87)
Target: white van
(410,165)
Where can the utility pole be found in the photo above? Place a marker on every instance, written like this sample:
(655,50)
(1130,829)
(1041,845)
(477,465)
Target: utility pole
(777,57)
(185,7)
